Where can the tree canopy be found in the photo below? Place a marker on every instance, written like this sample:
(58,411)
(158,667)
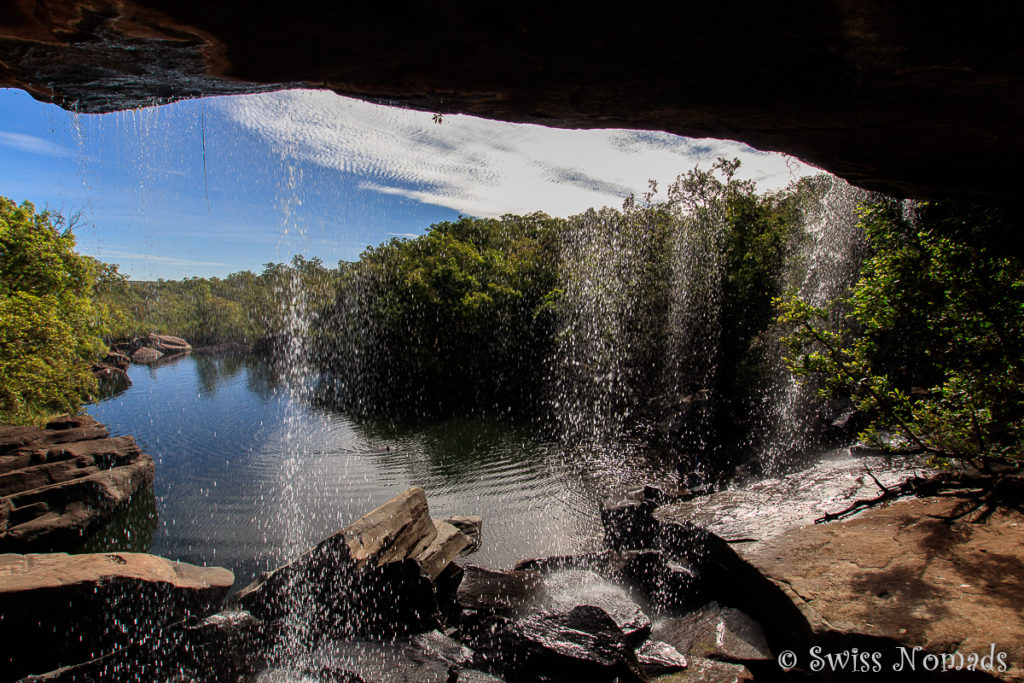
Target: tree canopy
(50,329)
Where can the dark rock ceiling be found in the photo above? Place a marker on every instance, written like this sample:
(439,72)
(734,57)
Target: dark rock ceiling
(911,98)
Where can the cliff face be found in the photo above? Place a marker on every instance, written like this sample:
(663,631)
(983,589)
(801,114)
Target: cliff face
(919,100)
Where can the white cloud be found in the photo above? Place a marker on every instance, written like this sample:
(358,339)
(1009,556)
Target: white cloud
(32,144)
(104,254)
(481,167)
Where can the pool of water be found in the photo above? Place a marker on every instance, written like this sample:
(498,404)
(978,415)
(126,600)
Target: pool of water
(248,476)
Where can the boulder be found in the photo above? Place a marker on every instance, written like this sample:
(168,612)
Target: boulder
(146,355)
(398,529)
(429,657)
(492,589)
(657,658)
(375,575)
(223,647)
(564,590)
(891,580)
(60,609)
(715,632)
(446,546)
(472,526)
(166,344)
(583,644)
(59,484)
(627,523)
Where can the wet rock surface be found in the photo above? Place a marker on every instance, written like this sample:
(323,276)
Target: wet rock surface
(657,658)
(60,483)
(498,590)
(58,609)
(580,644)
(715,632)
(374,576)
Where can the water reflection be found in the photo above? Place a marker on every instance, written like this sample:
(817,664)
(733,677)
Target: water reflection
(225,436)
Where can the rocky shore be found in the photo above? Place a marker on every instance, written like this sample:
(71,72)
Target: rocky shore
(909,590)
(60,483)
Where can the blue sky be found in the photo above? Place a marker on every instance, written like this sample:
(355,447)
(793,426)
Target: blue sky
(209,187)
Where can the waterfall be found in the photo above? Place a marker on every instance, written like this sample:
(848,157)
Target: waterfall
(640,353)
(824,269)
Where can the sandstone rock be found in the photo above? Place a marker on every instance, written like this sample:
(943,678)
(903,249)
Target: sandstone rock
(583,644)
(146,355)
(493,589)
(60,430)
(446,546)
(58,489)
(700,670)
(899,576)
(861,90)
(398,529)
(367,577)
(472,526)
(657,658)
(715,632)
(166,344)
(58,609)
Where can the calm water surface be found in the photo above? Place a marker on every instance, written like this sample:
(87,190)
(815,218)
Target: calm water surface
(247,476)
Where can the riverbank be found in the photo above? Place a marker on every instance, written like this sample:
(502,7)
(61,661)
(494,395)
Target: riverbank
(910,589)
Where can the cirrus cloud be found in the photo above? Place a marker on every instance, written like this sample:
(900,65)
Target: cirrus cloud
(481,167)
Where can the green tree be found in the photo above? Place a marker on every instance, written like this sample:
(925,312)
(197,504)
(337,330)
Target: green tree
(50,329)
(933,348)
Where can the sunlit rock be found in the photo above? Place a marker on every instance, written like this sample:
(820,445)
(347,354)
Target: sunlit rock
(59,484)
(472,526)
(701,670)
(446,546)
(657,658)
(375,575)
(58,609)
(893,579)
(145,355)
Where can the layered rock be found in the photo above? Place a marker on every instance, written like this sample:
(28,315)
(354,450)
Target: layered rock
(375,575)
(59,483)
(60,609)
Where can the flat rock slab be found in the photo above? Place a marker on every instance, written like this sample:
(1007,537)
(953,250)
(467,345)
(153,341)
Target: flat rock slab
(58,609)
(59,484)
(905,575)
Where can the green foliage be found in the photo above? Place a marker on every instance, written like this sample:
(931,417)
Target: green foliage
(934,338)
(241,307)
(460,315)
(50,329)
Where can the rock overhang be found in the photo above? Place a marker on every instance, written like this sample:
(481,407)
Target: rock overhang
(913,100)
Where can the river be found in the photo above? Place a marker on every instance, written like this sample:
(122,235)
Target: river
(248,476)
